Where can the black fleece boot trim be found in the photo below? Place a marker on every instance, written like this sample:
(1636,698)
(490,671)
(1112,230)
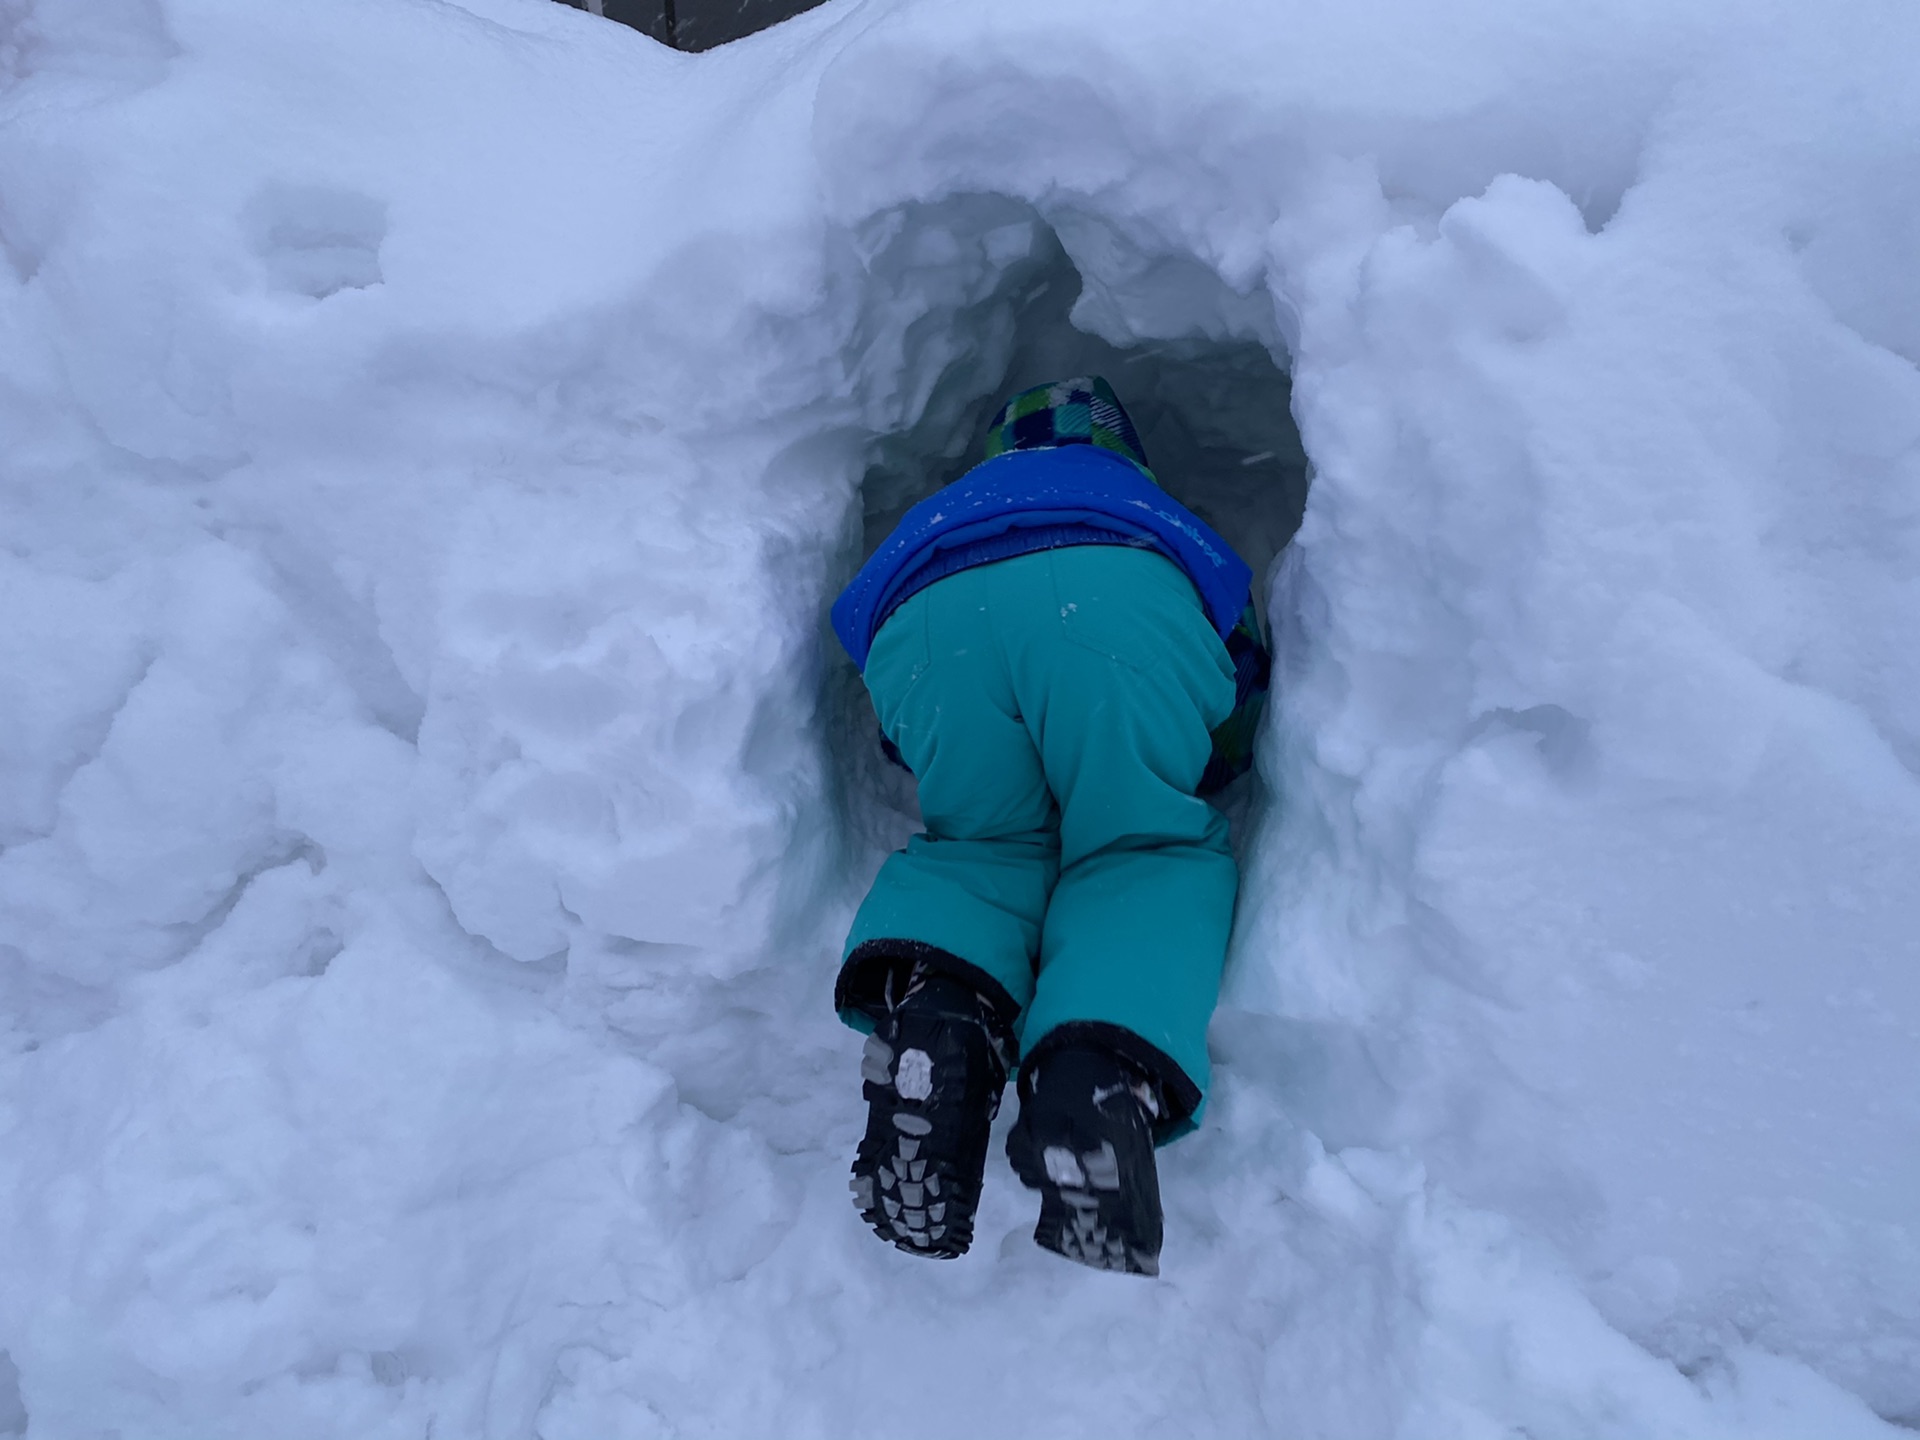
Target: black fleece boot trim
(862,985)
(1177,1089)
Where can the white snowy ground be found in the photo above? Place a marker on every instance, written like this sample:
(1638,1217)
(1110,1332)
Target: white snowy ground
(430,433)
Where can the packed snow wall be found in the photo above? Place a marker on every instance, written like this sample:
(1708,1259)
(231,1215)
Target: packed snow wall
(432,803)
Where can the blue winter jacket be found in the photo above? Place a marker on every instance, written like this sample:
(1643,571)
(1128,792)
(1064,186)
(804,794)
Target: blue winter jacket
(1027,500)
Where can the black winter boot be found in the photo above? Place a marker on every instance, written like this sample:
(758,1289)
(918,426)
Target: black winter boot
(1084,1140)
(934,1069)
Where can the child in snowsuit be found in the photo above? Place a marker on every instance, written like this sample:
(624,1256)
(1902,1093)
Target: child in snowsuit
(1065,658)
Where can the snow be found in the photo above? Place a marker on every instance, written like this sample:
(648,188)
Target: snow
(430,802)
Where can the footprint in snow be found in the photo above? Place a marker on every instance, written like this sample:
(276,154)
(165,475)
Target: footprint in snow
(316,240)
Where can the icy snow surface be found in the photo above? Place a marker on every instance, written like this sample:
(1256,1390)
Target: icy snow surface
(430,803)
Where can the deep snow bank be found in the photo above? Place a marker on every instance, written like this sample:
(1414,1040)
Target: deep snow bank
(431,435)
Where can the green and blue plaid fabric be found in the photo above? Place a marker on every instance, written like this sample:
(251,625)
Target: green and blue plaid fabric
(1252,673)
(1080,411)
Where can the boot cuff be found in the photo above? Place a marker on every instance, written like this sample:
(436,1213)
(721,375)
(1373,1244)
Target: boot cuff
(1176,1087)
(862,986)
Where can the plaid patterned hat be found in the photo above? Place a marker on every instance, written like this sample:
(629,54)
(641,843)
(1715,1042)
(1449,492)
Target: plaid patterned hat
(1080,411)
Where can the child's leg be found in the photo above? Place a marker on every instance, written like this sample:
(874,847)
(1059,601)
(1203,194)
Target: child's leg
(1120,677)
(975,885)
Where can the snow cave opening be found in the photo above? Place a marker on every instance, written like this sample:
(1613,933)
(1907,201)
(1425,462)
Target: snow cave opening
(978,297)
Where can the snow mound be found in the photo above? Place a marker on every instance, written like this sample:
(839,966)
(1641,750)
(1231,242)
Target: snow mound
(430,802)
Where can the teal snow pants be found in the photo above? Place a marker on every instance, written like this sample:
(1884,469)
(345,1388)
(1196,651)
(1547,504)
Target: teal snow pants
(1055,709)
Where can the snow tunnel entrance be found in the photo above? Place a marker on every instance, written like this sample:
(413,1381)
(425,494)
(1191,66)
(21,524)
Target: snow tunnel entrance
(975,299)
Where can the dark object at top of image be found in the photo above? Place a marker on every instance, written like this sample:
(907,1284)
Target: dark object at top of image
(695,24)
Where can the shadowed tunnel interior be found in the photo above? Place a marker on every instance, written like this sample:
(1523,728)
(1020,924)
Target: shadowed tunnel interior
(1215,416)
